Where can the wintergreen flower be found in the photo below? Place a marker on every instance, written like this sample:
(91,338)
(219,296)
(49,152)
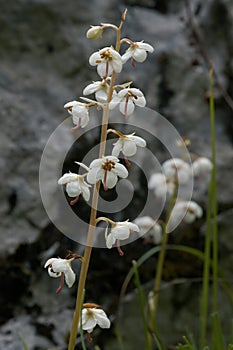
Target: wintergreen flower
(58,267)
(127,99)
(75,185)
(107,60)
(137,51)
(106,169)
(79,112)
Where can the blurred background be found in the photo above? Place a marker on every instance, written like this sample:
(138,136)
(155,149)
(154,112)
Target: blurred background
(44,64)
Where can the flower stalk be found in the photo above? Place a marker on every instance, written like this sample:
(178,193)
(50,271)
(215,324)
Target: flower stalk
(94,206)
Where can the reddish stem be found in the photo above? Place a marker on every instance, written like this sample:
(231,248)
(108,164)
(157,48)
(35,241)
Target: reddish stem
(59,289)
(74,201)
(120,251)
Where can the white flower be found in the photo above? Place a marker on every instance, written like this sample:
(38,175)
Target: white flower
(202,166)
(100,88)
(61,268)
(94,33)
(178,169)
(187,211)
(107,170)
(79,112)
(107,60)
(160,185)
(75,185)
(91,316)
(138,52)
(150,227)
(127,99)
(127,144)
(120,231)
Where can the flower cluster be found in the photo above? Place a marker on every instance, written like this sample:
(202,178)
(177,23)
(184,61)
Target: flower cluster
(107,169)
(177,172)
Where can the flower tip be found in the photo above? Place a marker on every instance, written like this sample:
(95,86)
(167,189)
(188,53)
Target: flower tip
(124,14)
(94,33)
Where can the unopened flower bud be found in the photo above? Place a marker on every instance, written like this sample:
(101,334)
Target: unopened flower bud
(94,33)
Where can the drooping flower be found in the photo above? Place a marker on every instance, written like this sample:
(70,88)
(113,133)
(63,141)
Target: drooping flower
(120,231)
(106,169)
(137,52)
(188,211)
(202,166)
(127,99)
(107,60)
(75,185)
(58,267)
(79,112)
(150,228)
(177,168)
(101,90)
(95,32)
(127,144)
(92,316)
(161,185)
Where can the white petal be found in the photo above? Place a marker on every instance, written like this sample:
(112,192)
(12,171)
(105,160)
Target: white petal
(129,148)
(69,277)
(156,180)
(127,55)
(70,104)
(117,148)
(101,95)
(139,55)
(49,262)
(59,265)
(202,166)
(144,221)
(97,163)
(117,65)
(93,58)
(121,232)
(84,121)
(101,69)
(138,140)
(90,89)
(101,318)
(67,177)
(111,179)
(110,241)
(73,189)
(145,46)
(120,170)
(136,92)
(115,101)
(123,92)
(130,107)
(133,227)
(140,101)
(88,321)
(92,175)
(112,158)
(85,191)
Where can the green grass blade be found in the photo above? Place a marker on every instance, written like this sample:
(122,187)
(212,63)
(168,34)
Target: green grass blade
(217,334)
(23,342)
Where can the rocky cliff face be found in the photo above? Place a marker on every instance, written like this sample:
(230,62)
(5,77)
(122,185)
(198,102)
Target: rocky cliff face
(44,63)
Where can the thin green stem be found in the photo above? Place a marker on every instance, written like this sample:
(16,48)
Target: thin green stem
(211,231)
(214,198)
(142,304)
(161,258)
(206,275)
